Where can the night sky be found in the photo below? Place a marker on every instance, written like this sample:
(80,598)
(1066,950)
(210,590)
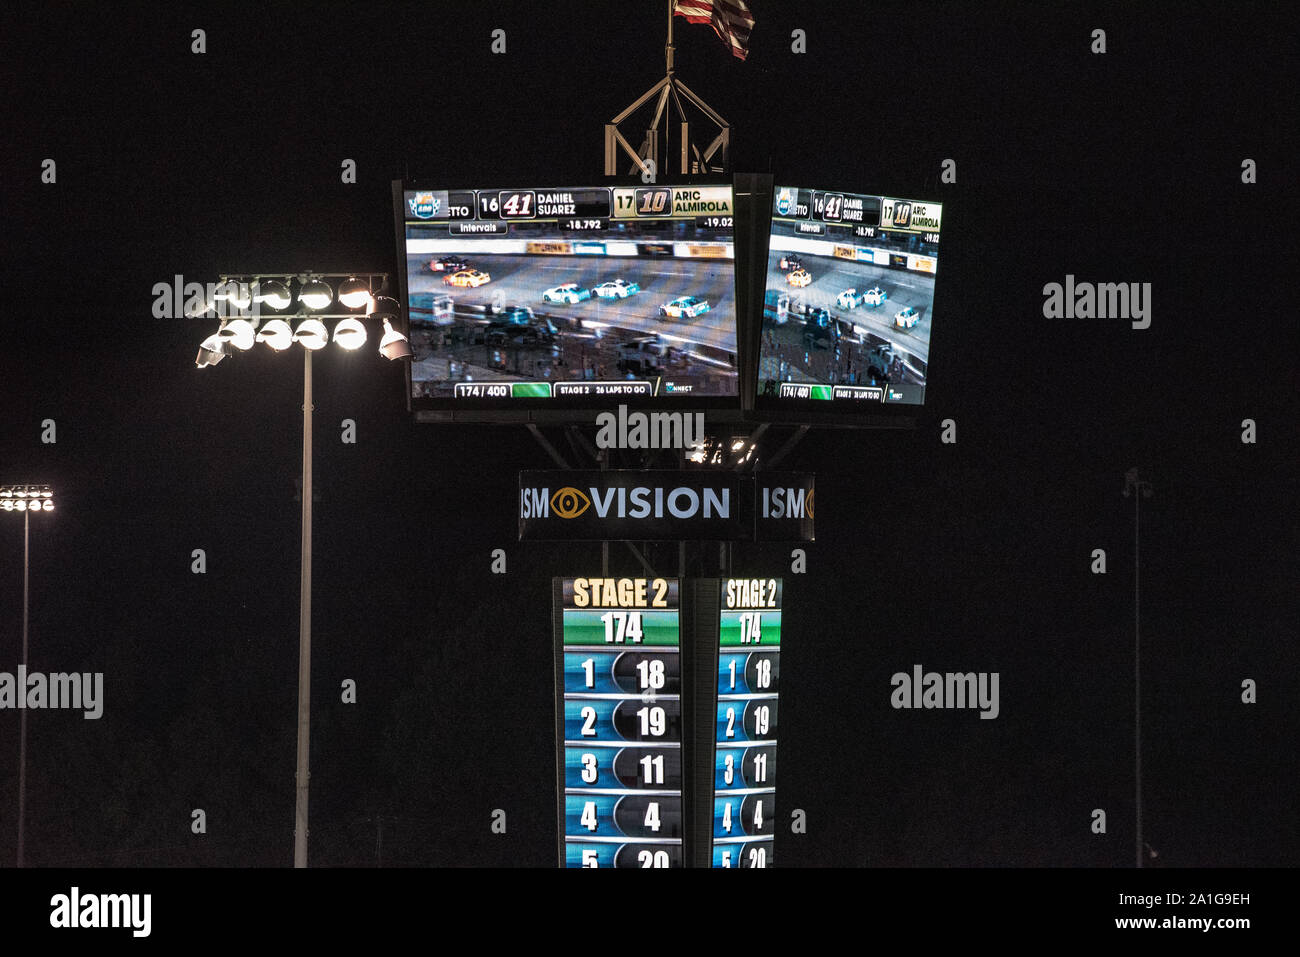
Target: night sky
(1123,167)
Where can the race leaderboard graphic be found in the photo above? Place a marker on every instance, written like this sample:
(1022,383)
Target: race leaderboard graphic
(666,721)
(569,293)
(749,668)
(619,733)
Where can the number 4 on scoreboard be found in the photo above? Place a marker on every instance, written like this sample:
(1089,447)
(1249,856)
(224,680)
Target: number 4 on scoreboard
(622,626)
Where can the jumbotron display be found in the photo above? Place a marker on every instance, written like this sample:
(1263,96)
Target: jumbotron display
(619,754)
(849,301)
(556,294)
(749,671)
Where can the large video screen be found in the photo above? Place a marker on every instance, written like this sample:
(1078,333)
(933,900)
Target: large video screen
(849,300)
(552,296)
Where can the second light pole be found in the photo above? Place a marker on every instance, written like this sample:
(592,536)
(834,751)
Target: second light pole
(237,334)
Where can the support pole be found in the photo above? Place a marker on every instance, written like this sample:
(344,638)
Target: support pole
(1137,669)
(22,713)
(304,630)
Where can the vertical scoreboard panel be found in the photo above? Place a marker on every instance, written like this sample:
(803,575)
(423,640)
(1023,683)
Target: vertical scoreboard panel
(744,765)
(619,721)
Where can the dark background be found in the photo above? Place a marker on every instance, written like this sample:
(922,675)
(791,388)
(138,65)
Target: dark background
(1123,167)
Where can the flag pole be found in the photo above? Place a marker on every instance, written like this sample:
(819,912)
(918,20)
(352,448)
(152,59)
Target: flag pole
(668,50)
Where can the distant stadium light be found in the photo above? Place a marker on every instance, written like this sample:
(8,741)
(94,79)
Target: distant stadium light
(315,294)
(350,334)
(394,345)
(276,333)
(354,293)
(311,334)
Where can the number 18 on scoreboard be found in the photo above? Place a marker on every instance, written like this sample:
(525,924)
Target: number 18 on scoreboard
(618,691)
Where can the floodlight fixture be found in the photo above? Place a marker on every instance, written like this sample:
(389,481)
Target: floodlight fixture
(276,333)
(350,334)
(273,293)
(238,332)
(394,345)
(315,294)
(311,334)
(354,293)
(211,351)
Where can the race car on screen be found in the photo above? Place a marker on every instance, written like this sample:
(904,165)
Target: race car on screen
(466,277)
(789,261)
(820,331)
(848,299)
(874,296)
(798,277)
(569,292)
(686,307)
(448,264)
(616,289)
(520,326)
(906,318)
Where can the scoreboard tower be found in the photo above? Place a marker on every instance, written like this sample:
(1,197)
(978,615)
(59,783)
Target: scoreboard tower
(619,722)
(666,721)
(744,766)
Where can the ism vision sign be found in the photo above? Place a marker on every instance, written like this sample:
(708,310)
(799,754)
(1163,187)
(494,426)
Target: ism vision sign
(666,506)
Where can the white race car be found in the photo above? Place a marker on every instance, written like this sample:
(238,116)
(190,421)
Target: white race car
(848,299)
(569,292)
(874,296)
(907,318)
(616,289)
(686,307)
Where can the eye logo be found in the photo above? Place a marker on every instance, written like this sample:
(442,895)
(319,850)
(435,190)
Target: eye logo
(808,503)
(568,502)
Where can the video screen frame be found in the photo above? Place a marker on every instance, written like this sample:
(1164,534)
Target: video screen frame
(883,271)
(655,346)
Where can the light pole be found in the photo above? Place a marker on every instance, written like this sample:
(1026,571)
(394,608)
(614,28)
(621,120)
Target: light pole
(314,294)
(1138,488)
(25,499)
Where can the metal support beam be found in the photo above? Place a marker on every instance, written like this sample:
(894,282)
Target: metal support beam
(670,90)
(636,553)
(786,449)
(545,443)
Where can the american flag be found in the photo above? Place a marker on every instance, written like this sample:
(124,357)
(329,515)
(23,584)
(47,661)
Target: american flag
(730,19)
